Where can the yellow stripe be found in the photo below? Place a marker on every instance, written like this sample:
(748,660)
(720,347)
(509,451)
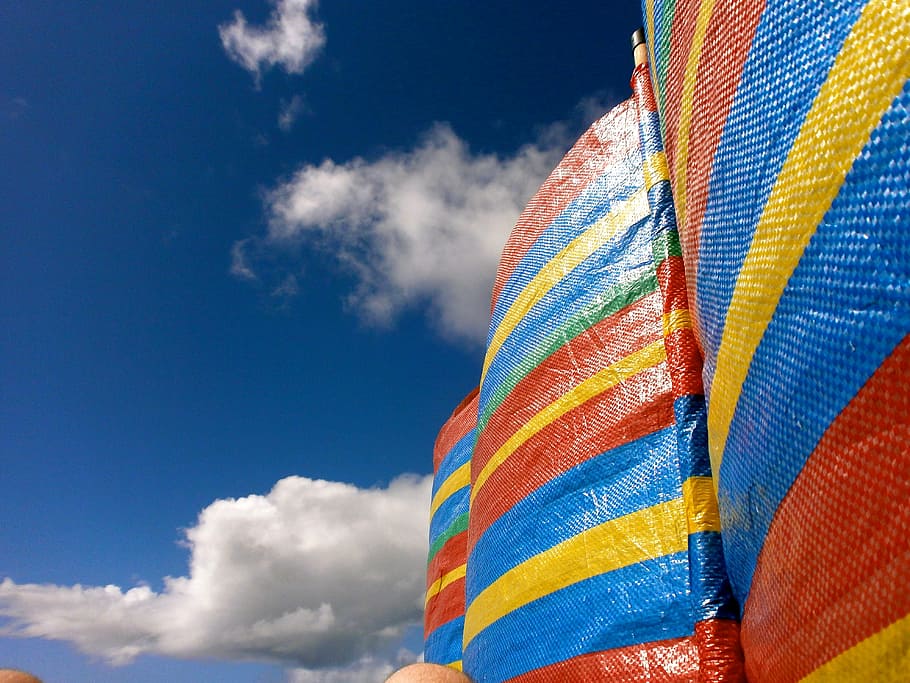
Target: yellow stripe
(859,89)
(445,580)
(701,504)
(455,665)
(627,540)
(685,107)
(651,38)
(676,320)
(882,657)
(655,169)
(455,481)
(622,216)
(620,371)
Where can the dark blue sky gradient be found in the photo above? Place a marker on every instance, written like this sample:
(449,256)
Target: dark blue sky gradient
(139,380)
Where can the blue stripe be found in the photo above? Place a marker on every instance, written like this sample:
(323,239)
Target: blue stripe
(712,596)
(453,507)
(641,603)
(692,436)
(649,133)
(630,477)
(443,646)
(845,308)
(625,258)
(455,458)
(779,84)
(616,184)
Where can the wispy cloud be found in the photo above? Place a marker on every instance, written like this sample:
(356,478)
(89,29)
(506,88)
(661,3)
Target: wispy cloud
(318,575)
(291,38)
(290,112)
(422,226)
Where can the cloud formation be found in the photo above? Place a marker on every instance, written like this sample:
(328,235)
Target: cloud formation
(315,574)
(425,226)
(290,39)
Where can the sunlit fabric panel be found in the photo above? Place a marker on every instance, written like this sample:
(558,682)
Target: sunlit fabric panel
(593,535)
(445,596)
(786,126)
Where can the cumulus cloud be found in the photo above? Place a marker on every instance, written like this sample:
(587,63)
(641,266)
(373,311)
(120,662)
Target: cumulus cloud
(290,39)
(421,226)
(319,575)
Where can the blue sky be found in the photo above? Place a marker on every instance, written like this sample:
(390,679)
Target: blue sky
(248,246)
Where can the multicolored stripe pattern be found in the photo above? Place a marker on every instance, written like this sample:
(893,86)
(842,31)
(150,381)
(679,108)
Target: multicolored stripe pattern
(593,535)
(786,126)
(446,564)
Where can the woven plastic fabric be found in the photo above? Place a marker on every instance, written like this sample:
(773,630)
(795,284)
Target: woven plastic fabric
(594,551)
(786,126)
(445,598)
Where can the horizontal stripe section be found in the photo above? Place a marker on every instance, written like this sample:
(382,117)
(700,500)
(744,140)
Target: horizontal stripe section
(452,554)
(597,490)
(457,480)
(629,411)
(458,455)
(455,665)
(578,169)
(462,421)
(572,362)
(610,302)
(677,659)
(446,605)
(442,582)
(647,357)
(630,539)
(620,217)
(443,645)
(459,525)
(619,263)
(830,139)
(655,169)
(641,602)
(884,657)
(835,564)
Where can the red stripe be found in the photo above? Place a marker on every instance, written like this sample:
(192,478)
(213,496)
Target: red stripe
(683,355)
(451,555)
(447,604)
(676,660)
(607,342)
(587,159)
(730,31)
(641,86)
(835,566)
(462,421)
(641,405)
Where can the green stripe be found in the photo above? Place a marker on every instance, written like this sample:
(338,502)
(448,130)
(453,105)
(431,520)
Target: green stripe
(666,245)
(460,524)
(662,55)
(612,301)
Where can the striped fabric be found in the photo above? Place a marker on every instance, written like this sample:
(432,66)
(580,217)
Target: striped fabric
(594,551)
(786,126)
(445,598)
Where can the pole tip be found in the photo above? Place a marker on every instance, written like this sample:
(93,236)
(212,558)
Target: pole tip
(639,49)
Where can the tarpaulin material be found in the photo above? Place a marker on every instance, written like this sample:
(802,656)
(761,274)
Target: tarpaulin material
(593,534)
(786,126)
(445,597)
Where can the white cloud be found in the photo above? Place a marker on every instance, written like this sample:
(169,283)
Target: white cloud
(422,226)
(290,38)
(290,112)
(315,574)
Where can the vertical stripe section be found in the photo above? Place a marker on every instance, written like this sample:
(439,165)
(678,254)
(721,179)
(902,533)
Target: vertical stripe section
(829,140)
